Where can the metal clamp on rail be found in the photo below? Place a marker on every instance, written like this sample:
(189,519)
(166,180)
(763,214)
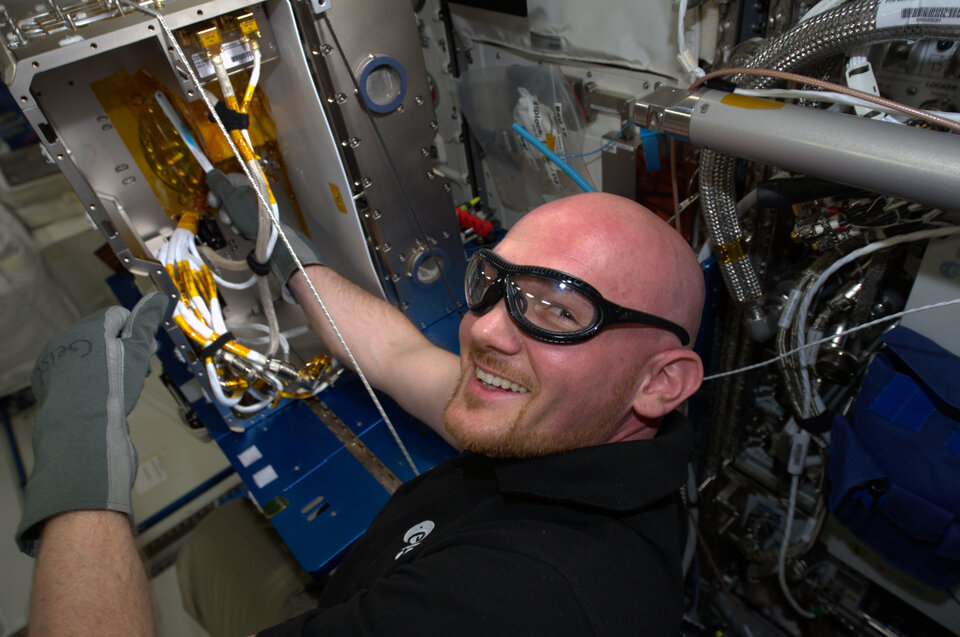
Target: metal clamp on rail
(667,110)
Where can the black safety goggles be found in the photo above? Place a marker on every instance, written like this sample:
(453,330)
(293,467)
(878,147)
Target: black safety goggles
(549,305)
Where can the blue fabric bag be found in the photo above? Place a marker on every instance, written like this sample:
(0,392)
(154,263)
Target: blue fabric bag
(894,470)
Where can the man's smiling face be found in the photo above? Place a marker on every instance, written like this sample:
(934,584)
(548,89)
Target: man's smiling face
(521,397)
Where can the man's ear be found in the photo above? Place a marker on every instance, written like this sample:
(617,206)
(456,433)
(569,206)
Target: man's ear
(670,378)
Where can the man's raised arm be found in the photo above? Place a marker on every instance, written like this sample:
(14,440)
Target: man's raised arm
(390,350)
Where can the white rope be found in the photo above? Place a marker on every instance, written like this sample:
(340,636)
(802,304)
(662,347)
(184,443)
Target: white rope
(873,323)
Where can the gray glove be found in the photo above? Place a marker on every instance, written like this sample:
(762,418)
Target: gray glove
(239,201)
(86,381)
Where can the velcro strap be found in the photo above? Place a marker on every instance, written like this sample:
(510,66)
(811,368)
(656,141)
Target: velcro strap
(232,120)
(260,269)
(216,346)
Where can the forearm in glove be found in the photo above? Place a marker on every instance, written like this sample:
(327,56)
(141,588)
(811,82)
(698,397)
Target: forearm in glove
(239,201)
(87,380)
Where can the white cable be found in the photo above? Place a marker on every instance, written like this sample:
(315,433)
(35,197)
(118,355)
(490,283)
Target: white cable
(821,7)
(260,340)
(885,319)
(217,389)
(353,361)
(838,98)
(784,545)
(684,55)
(829,272)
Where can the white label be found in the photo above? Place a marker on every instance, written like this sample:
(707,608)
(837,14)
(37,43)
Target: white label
(558,113)
(249,456)
(528,153)
(150,474)
(537,121)
(264,477)
(554,176)
(233,53)
(892,13)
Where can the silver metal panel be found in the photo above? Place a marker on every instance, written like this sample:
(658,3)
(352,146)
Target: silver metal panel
(312,155)
(408,132)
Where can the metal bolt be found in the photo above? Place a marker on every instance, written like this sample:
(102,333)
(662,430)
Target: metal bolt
(704,108)
(366,182)
(418,100)
(403,257)
(354,142)
(425,151)
(447,188)
(656,117)
(646,85)
(386,246)
(395,277)
(430,175)
(431,240)
(400,108)
(326,49)
(446,235)
(341,98)
(657,85)
(434,125)
(376,214)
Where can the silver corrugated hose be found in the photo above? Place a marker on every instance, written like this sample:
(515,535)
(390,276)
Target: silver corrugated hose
(821,37)
(717,192)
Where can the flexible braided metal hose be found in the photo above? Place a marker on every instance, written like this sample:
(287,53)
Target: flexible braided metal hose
(819,38)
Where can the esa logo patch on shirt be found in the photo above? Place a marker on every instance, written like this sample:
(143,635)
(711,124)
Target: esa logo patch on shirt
(414,535)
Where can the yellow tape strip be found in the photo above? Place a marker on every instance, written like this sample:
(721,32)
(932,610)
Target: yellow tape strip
(731,251)
(745,101)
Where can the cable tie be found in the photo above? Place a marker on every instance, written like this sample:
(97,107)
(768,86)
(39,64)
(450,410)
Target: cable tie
(216,346)
(260,269)
(232,120)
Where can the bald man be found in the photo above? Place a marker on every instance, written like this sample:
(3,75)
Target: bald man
(561,516)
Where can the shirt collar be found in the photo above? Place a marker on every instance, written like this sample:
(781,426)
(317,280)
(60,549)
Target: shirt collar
(621,476)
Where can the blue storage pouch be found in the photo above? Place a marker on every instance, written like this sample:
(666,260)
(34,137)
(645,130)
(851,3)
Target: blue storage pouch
(894,471)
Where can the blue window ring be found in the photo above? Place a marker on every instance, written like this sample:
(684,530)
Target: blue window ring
(379,62)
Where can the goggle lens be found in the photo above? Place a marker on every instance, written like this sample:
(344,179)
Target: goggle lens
(548,304)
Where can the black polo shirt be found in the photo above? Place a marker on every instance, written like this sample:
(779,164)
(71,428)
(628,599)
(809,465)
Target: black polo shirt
(585,542)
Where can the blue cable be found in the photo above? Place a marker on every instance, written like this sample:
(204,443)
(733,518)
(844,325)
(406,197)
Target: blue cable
(552,156)
(604,147)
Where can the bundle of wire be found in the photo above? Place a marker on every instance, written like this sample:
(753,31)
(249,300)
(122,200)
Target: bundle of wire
(239,377)
(234,370)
